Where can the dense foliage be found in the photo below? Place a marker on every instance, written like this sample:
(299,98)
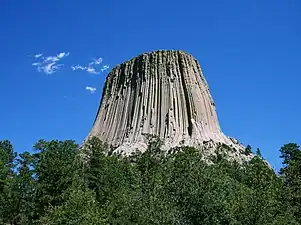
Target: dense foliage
(60,183)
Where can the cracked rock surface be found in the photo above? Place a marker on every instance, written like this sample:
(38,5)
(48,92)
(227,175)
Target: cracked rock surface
(163,93)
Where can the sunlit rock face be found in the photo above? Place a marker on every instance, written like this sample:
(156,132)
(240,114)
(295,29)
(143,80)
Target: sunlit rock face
(163,93)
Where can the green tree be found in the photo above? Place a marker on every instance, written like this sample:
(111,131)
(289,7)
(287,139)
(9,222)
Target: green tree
(291,173)
(7,159)
(80,207)
(62,184)
(155,205)
(7,178)
(113,181)
(263,203)
(23,190)
(55,171)
(130,190)
(258,153)
(199,191)
(248,149)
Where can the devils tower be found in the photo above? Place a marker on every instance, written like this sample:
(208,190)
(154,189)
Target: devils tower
(162,93)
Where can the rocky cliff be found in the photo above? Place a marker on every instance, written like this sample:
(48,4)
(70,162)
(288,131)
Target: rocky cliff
(162,93)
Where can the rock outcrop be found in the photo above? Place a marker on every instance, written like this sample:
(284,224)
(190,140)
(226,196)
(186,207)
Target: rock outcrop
(163,93)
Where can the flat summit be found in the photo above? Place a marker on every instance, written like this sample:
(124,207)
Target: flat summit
(161,93)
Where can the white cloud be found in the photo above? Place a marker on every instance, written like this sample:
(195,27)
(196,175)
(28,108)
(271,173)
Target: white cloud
(105,67)
(92,90)
(36,64)
(90,68)
(97,61)
(51,59)
(38,55)
(78,67)
(49,64)
(63,54)
(51,68)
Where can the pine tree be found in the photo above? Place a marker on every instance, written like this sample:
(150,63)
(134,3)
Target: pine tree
(258,153)
(248,149)
(291,173)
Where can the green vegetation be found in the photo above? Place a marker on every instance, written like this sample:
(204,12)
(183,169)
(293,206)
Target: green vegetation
(61,183)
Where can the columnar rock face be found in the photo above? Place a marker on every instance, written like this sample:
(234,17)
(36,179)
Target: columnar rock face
(162,93)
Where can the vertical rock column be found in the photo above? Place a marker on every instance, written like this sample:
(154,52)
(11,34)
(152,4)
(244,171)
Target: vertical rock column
(162,93)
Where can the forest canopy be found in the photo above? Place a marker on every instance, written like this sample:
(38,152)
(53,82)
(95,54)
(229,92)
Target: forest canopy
(63,183)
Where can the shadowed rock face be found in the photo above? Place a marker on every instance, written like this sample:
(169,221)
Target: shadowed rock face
(162,93)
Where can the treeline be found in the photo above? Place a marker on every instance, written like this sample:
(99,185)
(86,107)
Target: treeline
(60,183)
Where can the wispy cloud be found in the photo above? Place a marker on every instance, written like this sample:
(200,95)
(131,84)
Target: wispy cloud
(38,55)
(91,67)
(36,64)
(78,67)
(91,70)
(92,90)
(63,54)
(105,67)
(96,61)
(49,64)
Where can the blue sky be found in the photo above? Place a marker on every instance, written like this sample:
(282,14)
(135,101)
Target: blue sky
(250,52)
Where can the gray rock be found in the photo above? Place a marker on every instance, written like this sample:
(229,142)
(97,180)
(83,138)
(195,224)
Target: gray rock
(162,93)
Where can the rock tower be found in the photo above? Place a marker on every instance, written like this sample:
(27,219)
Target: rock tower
(163,93)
